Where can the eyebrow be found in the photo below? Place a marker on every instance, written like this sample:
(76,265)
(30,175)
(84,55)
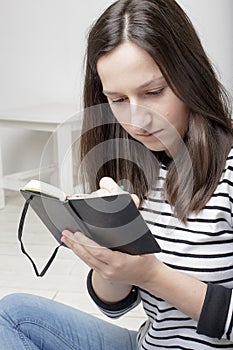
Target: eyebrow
(144,85)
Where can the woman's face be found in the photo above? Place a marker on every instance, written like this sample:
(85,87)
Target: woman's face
(141,99)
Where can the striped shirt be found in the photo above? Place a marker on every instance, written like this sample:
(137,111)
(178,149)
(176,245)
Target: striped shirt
(203,249)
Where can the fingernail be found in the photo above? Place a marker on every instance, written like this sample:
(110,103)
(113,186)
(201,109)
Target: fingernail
(66,233)
(78,234)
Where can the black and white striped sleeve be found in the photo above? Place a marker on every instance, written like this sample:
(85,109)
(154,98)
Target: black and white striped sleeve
(216,318)
(118,309)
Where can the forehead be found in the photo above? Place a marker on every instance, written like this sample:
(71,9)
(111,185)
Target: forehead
(127,63)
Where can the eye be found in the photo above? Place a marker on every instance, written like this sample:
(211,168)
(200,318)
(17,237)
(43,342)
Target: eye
(155,92)
(119,100)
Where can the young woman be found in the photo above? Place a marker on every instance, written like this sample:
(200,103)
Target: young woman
(164,117)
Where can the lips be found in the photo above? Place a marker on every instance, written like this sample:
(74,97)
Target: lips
(149,134)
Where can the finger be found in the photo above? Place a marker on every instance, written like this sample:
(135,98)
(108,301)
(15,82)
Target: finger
(103,254)
(102,192)
(107,183)
(135,199)
(80,250)
(80,238)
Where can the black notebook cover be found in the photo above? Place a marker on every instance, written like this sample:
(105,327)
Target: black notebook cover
(111,221)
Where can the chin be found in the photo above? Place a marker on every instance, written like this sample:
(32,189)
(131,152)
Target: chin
(155,148)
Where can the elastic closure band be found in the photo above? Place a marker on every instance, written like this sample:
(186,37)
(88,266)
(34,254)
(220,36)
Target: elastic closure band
(20,234)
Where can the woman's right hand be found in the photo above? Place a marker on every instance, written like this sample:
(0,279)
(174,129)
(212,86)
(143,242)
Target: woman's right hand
(109,186)
(109,281)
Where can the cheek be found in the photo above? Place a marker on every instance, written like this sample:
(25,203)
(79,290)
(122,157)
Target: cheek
(121,112)
(122,115)
(178,117)
(126,127)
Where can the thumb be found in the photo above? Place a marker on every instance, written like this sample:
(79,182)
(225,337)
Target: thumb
(135,199)
(108,184)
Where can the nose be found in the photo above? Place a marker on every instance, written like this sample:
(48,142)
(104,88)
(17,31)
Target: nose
(140,117)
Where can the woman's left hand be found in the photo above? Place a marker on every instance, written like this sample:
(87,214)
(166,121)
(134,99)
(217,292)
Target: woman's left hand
(112,265)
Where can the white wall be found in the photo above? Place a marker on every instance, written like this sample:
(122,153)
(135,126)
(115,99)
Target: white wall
(42,45)
(213,20)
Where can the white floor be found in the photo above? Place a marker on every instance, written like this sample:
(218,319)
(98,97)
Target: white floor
(64,281)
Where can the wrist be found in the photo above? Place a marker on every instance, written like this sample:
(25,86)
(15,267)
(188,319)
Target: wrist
(150,281)
(109,291)
(123,304)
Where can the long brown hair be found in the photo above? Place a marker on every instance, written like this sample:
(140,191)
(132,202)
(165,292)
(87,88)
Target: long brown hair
(162,29)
